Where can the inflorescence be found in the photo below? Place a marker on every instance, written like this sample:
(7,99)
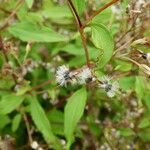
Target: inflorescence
(85,76)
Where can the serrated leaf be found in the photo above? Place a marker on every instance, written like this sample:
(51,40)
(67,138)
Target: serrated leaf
(41,121)
(27,31)
(73,112)
(102,39)
(9,103)
(29,3)
(79,5)
(16,121)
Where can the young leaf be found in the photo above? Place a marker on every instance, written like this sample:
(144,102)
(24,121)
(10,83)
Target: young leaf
(16,121)
(29,3)
(9,103)
(27,31)
(79,5)
(102,39)
(41,121)
(73,111)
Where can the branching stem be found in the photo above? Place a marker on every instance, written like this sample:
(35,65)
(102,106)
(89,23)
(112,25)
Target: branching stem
(100,10)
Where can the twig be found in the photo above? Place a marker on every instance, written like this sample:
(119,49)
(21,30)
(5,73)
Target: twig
(129,59)
(100,10)
(4,10)
(73,9)
(6,23)
(81,30)
(41,85)
(123,46)
(28,128)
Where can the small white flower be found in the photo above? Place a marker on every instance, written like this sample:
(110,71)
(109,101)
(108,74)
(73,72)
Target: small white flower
(63,75)
(45,96)
(110,87)
(116,9)
(34,145)
(148,57)
(85,76)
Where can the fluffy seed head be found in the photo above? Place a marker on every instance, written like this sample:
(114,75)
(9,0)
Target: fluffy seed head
(63,75)
(110,87)
(85,76)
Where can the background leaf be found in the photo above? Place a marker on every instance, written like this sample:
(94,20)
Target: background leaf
(79,5)
(16,121)
(41,121)
(102,39)
(29,3)
(73,111)
(27,31)
(9,103)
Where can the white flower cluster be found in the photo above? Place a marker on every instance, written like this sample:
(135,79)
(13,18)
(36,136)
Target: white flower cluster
(110,87)
(65,76)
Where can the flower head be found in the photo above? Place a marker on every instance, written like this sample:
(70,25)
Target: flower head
(85,76)
(110,87)
(63,75)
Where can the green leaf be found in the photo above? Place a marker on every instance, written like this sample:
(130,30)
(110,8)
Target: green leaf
(127,83)
(29,3)
(122,65)
(103,17)
(126,132)
(41,121)
(79,5)
(144,123)
(4,121)
(9,103)
(27,31)
(140,86)
(147,100)
(145,135)
(23,89)
(16,121)
(58,12)
(56,118)
(73,112)
(102,39)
